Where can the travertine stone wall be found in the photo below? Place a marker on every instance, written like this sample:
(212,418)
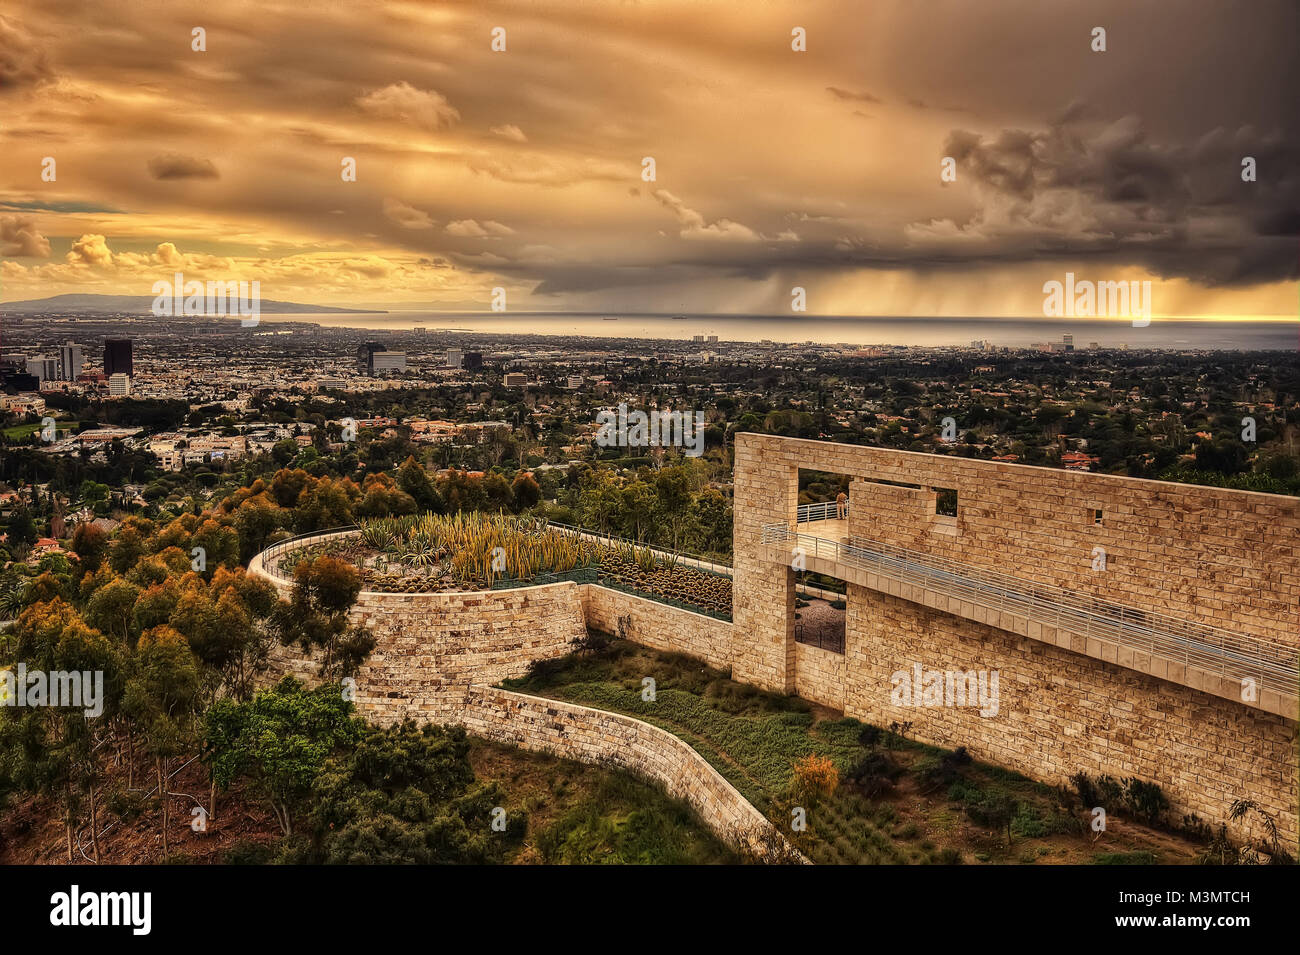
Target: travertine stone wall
(1060,713)
(607,739)
(819,675)
(1223,558)
(427,641)
(659,626)
(762,607)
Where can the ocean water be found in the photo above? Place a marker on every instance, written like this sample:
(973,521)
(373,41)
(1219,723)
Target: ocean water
(1239,334)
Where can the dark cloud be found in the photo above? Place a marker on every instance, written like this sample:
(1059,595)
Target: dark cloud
(176,166)
(856,97)
(22,62)
(1108,191)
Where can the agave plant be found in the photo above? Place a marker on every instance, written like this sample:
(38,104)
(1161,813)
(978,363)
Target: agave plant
(11,597)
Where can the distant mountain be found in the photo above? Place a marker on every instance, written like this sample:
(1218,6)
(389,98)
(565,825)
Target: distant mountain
(144,303)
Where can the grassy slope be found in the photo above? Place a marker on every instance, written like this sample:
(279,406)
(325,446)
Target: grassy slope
(753,738)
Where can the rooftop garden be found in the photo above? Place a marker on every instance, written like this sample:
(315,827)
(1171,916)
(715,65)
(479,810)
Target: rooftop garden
(474,551)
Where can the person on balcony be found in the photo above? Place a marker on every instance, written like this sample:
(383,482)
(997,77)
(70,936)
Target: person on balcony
(841,506)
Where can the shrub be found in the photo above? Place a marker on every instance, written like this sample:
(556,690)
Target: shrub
(874,774)
(814,777)
(1145,800)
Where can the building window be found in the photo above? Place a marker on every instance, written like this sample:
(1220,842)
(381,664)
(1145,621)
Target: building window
(1096,516)
(945,502)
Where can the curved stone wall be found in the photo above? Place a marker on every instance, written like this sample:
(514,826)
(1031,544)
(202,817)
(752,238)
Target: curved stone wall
(612,739)
(424,642)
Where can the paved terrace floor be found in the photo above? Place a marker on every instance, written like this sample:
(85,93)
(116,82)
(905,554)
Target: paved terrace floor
(1191,654)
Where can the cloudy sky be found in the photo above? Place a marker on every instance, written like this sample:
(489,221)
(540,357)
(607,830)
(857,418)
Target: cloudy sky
(773,168)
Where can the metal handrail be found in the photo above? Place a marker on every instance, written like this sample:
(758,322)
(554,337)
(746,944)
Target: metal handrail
(279,547)
(821,511)
(1272,664)
(716,567)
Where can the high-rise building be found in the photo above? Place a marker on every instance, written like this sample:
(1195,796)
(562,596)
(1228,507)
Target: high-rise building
(43,367)
(473,360)
(516,379)
(1068,341)
(365,364)
(455,358)
(117,357)
(119,385)
(70,361)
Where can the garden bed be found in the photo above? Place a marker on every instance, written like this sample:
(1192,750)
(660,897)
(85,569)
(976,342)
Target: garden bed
(892,800)
(434,554)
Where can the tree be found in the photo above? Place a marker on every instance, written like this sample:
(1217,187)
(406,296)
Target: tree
(404,795)
(413,480)
(112,609)
(315,617)
(53,750)
(90,544)
(162,697)
(525,491)
(279,740)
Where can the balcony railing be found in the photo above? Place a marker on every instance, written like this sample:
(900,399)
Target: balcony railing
(823,511)
(1271,664)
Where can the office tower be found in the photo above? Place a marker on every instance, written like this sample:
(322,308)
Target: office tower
(43,367)
(1068,341)
(119,385)
(117,357)
(516,379)
(455,358)
(473,360)
(70,361)
(365,363)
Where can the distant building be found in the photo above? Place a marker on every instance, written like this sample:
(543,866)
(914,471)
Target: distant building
(117,357)
(455,358)
(22,404)
(575,382)
(365,363)
(387,361)
(516,379)
(1068,342)
(1093,346)
(43,368)
(713,339)
(473,360)
(419,329)
(70,361)
(698,338)
(119,385)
